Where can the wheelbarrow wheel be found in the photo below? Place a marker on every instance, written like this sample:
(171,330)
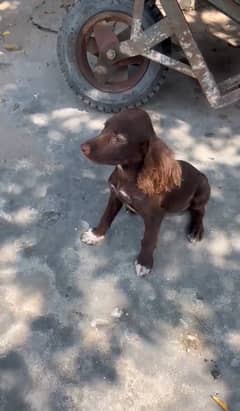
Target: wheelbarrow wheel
(86,28)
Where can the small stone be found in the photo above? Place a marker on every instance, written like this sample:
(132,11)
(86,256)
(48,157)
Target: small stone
(215,372)
(99,322)
(12,47)
(191,342)
(117,313)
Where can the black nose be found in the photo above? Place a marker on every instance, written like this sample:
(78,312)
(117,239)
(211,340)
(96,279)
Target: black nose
(86,149)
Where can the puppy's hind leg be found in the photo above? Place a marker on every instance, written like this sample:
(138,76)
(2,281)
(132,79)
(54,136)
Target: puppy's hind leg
(195,230)
(144,262)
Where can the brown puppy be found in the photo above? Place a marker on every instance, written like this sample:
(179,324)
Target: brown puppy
(147,179)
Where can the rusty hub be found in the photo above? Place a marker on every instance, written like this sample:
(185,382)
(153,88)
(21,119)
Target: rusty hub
(98,56)
(111,54)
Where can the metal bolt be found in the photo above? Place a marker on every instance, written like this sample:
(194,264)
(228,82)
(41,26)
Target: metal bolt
(111,54)
(100,70)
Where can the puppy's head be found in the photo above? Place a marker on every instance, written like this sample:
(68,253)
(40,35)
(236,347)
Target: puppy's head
(123,140)
(128,138)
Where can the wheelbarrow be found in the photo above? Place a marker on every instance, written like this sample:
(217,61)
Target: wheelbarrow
(116,53)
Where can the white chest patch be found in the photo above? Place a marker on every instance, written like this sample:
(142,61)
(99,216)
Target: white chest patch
(124,194)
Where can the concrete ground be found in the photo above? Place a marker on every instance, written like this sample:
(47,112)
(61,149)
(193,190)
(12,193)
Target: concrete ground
(78,330)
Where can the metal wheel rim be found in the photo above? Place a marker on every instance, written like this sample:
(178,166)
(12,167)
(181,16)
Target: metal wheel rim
(82,57)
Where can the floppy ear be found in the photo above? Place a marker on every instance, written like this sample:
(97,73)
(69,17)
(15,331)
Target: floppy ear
(160,172)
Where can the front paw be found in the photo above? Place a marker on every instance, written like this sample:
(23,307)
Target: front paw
(90,238)
(142,270)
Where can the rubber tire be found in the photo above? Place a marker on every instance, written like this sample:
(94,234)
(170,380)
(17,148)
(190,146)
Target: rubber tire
(67,35)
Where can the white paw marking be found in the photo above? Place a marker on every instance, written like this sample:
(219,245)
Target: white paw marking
(141,270)
(191,239)
(88,237)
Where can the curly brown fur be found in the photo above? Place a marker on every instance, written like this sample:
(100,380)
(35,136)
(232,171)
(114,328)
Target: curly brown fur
(161,173)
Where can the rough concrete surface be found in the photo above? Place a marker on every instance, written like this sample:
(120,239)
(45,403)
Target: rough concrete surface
(78,330)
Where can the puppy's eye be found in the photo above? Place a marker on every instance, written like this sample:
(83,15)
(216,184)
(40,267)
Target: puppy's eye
(118,138)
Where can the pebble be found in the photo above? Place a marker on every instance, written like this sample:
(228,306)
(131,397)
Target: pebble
(99,322)
(117,313)
(215,372)
(12,47)
(191,342)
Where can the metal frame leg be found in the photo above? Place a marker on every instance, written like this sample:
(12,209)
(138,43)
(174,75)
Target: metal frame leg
(141,43)
(138,9)
(191,50)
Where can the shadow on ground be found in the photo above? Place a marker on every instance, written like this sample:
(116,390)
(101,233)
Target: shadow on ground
(59,295)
